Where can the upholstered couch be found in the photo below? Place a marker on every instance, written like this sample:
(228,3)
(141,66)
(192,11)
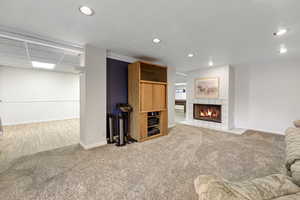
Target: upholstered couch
(297,123)
(273,187)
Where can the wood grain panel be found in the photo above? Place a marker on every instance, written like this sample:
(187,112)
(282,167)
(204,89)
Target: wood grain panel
(159,97)
(164,122)
(133,99)
(144,125)
(146,96)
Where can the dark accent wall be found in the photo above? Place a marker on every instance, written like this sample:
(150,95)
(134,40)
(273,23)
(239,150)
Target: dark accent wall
(117,83)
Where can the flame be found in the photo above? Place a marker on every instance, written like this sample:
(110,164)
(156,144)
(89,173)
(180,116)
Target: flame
(208,113)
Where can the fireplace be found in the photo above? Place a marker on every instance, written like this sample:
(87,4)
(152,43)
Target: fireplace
(208,112)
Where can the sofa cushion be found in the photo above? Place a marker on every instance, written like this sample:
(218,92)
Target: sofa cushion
(292,139)
(297,123)
(295,172)
(213,188)
(269,187)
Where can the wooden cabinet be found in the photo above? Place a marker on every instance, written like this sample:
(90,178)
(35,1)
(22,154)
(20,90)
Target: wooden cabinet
(147,94)
(159,97)
(143,125)
(146,98)
(153,97)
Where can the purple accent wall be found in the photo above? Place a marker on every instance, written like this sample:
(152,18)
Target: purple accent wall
(117,84)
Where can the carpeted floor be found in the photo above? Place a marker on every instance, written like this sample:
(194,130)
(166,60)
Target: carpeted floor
(179,115)
(159,169)
(28,139)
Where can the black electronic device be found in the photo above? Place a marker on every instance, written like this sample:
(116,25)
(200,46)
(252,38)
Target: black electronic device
(124,111)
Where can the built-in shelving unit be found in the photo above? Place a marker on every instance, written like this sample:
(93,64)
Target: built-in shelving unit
(147,94)
(153,123)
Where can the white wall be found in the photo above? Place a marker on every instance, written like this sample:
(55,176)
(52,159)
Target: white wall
(171,96)
(93,99)
(30,95)
(267,96)
(181,95)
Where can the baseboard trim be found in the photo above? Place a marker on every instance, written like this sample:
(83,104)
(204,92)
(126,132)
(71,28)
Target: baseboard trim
(171,125)
(39,121)
(92,146)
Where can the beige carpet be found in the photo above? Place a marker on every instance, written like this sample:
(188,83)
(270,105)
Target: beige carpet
(179,115)
(28,139)
(160,169)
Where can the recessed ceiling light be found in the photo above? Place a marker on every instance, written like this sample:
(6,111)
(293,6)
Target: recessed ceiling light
(190,55)
(283,50)
(280,32)
(156,40)
(42,65)
(181,74)
(86,10)
(211,63)
(180,84)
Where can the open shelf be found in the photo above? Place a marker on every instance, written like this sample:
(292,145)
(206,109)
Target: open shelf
(153,124)
(154,82)
(158,116)
(153,73)
(153,131)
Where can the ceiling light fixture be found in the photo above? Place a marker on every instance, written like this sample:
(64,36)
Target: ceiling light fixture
(42,65)
(283,50)
(156,40)
(190,55)
(86,10)
(211,63)
(280,32)
(181,74)
(180,84)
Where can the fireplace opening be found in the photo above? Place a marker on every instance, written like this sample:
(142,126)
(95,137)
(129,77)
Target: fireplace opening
(208,112)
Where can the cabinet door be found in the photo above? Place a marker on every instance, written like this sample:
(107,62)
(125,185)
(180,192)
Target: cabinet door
(143,125)
(146,96)
(159,97)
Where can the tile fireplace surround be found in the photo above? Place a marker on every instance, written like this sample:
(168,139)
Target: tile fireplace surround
(208,112)
(225,119)
(225,99)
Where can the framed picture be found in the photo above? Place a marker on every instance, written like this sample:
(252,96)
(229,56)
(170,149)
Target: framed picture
(207,88)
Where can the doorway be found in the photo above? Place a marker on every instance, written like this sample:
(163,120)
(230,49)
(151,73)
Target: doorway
(180,103)
(39,112)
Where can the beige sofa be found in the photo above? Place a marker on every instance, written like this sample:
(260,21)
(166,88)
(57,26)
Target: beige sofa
(273,187)
(297,123)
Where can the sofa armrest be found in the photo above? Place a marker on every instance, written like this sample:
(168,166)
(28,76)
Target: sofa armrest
(297,123)
(265,188)
(212,188)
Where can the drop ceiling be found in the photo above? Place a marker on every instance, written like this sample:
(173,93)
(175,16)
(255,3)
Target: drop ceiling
(18,50)
(228,32)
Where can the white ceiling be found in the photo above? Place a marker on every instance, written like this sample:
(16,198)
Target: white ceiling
(228,31)
(18,53)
